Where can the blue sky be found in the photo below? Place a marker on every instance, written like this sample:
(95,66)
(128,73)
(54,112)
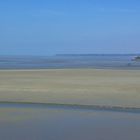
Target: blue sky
(42,27)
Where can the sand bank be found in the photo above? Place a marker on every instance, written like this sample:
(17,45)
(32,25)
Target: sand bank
(72,86)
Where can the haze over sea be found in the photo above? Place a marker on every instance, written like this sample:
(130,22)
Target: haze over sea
(61,61)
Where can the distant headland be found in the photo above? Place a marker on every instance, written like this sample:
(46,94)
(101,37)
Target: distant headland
(137,58)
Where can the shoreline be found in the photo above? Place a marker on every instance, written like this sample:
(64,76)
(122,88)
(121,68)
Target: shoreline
(73,68)
(6,104)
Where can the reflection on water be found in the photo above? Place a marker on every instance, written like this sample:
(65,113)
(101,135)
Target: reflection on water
(46,123)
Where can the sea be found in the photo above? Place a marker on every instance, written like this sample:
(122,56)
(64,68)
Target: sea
(64,61)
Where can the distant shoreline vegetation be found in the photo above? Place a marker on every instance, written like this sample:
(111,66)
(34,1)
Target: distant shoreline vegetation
(96,54)
(137,58)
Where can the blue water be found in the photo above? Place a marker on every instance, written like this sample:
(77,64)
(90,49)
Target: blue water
(28,122)
(110,61)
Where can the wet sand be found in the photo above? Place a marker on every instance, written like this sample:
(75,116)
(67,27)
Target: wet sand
(29,122)
(72,86)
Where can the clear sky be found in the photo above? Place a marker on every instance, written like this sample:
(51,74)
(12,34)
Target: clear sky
(42,27)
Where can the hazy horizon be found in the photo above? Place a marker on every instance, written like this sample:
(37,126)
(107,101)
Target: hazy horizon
(67,54)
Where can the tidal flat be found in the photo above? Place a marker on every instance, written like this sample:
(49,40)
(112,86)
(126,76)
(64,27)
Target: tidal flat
(72,86)
(69,104)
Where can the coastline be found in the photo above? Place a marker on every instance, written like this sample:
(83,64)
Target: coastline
(5,104)
(99,87)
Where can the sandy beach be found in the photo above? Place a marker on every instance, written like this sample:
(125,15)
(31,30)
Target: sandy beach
(72,86)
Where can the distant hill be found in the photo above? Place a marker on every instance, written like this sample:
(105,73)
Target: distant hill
(137,58)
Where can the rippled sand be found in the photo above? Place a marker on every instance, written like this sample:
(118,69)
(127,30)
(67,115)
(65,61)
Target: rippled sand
(72,86)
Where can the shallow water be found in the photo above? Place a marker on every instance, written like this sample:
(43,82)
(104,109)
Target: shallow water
(107,61)
(29,122)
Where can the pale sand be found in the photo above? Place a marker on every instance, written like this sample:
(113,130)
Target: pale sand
(72,86)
